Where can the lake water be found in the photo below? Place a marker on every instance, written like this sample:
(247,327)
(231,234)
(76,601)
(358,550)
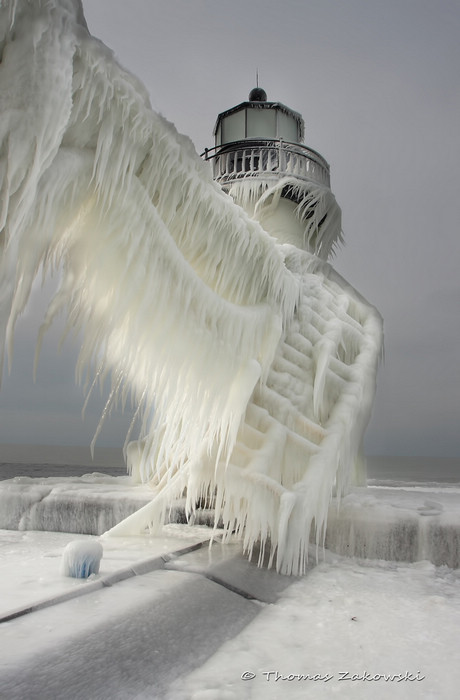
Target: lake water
(432,470)
(56,460)
(46,460)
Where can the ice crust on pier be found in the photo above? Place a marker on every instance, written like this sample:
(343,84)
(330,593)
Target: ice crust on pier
(251,364)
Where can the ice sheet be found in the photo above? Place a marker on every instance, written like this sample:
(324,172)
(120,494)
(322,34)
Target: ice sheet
(348,624)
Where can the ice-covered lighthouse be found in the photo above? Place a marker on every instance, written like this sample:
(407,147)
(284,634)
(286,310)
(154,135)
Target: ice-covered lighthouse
(299,437)
(259,158)
(250,362)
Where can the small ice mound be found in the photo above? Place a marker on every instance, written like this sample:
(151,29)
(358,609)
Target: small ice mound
(81,558)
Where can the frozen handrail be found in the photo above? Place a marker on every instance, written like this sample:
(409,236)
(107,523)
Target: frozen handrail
(267,158)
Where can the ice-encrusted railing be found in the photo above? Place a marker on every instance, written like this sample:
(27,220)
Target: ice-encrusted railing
(262,158)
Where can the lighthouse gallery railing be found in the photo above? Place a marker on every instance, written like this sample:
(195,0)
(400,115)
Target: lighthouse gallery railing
(273,159)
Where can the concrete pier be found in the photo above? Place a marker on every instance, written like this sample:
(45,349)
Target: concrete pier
(399,524)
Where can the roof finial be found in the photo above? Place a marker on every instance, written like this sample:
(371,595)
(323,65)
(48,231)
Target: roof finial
(257,94)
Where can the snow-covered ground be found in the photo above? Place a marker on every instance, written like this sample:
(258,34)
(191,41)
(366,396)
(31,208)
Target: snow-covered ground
(157,625)
(361,628)
(30,562)
(349,629)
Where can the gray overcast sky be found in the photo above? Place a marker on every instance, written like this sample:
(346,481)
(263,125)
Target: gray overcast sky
(377,84)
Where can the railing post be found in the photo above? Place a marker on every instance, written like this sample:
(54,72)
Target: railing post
(280,155)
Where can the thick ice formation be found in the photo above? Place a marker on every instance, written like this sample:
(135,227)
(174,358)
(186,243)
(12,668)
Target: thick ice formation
(318,214)
(251,364)
(301,435)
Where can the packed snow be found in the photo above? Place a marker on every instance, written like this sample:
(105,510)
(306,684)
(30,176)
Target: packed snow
(349,628)
(250,363)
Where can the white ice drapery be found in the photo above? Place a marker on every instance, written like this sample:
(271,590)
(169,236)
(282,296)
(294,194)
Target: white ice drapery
(181,298)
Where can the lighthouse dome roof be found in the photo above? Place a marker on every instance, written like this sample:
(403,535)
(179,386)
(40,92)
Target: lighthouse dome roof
(257,94)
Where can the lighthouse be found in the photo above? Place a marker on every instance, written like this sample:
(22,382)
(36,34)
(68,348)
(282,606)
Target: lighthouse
(260,159)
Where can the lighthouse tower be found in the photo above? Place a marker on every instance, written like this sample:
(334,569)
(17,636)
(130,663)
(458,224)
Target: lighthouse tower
(260,159)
